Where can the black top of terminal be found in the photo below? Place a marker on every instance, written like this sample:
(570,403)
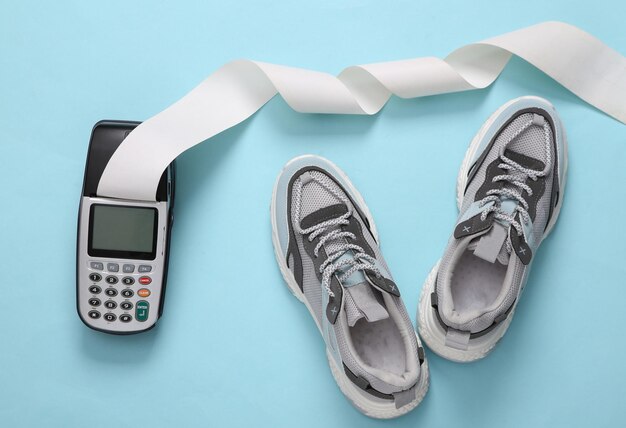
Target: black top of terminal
(106,137)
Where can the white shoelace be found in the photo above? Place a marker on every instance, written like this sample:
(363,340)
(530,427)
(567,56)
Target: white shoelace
(329,231)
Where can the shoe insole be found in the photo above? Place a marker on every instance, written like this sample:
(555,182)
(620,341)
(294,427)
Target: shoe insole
(476,283)
(380,345)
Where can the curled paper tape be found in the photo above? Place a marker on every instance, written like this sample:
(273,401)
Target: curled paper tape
(575,59)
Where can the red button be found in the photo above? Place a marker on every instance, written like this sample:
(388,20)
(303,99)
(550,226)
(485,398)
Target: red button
(145,280)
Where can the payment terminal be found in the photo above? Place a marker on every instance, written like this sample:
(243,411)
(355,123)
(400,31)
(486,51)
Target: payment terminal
(122,245)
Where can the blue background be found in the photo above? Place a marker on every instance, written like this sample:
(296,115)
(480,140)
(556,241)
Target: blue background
(234,348)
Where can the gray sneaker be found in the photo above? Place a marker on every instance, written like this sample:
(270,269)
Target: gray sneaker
(326,246)
(509,194)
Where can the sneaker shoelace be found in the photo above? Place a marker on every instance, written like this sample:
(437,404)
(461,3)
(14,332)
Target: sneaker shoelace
(516,177)
(330,231)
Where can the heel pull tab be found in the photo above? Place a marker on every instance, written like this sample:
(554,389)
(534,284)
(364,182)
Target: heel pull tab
(403,398)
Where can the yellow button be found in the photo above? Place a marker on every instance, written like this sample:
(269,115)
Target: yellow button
(143,292)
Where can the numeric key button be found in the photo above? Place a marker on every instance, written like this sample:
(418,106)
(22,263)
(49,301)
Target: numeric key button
(110,304)
(128,293)
(94,301)
(111,280)
(94,315)
(110,317)
(127,306)
(95,289)
(111,292)
(126,318)
(95,277)
(127,280)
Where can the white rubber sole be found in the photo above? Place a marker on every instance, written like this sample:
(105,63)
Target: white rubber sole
(429,327)
(364,402)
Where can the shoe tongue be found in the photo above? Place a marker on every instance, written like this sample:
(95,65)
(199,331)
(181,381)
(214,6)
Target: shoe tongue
(491,246)
(361,302)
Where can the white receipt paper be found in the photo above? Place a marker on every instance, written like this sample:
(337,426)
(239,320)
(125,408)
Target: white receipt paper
(575,59)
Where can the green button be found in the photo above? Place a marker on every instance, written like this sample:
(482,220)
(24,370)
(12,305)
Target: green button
(141,311)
